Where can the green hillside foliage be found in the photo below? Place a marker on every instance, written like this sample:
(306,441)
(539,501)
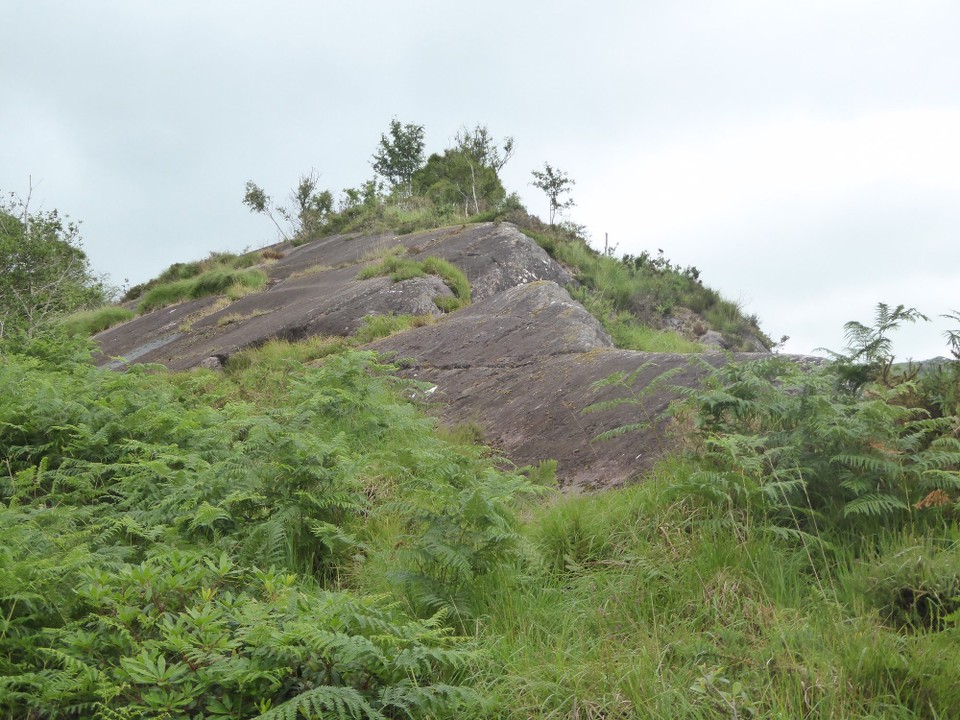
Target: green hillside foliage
(639,292)
(44,272)
(291,538)
(185,545)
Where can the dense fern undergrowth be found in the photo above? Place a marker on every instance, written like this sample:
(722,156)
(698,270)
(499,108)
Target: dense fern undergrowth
(199,545)
(291,538)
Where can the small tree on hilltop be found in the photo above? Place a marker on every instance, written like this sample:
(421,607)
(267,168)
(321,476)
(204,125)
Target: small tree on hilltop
(466,175)
(309,208)
(44,272)
(555,183)
(480,145)
(399,156)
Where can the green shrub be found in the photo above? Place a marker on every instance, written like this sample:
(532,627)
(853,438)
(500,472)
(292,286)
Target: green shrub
(184,544)
(788,443)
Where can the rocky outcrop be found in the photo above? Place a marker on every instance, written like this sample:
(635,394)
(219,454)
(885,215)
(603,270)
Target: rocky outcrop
(522,361)
(313,290)
(523,365)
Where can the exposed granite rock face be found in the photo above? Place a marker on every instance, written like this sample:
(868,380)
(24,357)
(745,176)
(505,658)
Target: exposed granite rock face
(711,338)
(523,365)
(313,290)
(516,327)
(521,361)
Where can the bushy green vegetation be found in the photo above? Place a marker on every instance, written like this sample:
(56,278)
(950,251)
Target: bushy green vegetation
(408,194)
(401,268)
(218,261)
(633,295)
(800,559)
(184,545)
(291,538)
(44,272)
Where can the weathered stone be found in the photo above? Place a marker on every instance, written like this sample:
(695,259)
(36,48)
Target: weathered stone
(521,361)
(524,364)
(711,338)
(212,363)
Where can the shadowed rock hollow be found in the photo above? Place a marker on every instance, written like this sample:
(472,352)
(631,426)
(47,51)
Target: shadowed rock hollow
(520,362)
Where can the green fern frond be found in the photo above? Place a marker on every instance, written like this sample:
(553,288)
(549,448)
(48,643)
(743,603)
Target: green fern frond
(868,463)
(874,505)
(343,703)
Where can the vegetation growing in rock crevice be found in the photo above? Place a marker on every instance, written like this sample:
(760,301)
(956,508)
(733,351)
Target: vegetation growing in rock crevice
(400,269)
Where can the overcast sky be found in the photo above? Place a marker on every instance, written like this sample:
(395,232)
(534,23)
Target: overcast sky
(804,155)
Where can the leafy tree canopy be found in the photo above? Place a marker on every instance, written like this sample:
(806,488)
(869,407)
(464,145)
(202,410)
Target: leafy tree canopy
(456,178)
(466,174)
(44,272)
(400,155)
(479,145)
(304,215)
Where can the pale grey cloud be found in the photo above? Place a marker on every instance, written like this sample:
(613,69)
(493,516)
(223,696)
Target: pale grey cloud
(803,155)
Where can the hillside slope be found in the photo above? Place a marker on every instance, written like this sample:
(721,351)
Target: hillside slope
(520,362)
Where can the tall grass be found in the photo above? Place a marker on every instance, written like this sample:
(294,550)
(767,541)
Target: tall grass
(233,283)
(90,322)
(380,326)
(644,605)
(214,261)
(402,268)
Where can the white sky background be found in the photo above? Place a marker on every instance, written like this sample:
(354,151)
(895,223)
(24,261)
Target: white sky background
(804,155)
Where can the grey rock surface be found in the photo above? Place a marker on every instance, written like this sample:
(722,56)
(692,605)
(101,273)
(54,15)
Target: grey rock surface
(524,364)
(522,361)
(313,290)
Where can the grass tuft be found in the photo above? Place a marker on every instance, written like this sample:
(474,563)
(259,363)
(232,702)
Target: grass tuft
(233,283)
(90,322)
(402,268)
